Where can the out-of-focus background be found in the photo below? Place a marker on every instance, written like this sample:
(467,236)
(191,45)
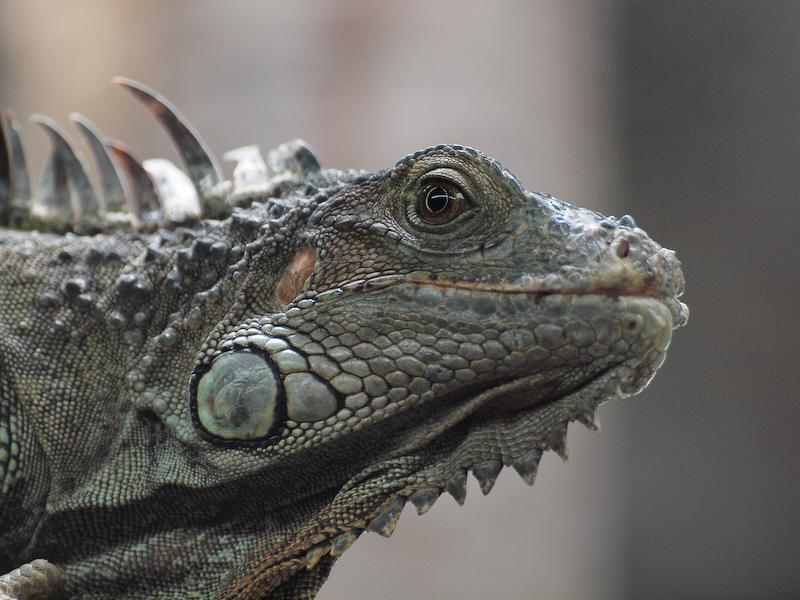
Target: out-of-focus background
(684,114)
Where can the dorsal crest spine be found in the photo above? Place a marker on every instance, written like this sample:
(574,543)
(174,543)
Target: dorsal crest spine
(131,194)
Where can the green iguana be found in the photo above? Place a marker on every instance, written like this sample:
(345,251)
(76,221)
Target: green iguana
(211,388)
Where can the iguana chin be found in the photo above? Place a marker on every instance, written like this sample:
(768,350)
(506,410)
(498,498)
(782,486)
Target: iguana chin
(211,388)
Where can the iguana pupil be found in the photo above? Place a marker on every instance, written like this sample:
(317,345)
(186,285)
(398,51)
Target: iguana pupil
(440,202)
(437,199)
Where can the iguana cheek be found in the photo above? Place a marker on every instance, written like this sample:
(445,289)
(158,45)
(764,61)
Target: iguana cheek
(237,398)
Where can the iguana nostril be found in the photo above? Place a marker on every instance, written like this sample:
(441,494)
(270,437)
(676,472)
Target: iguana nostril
(623,247)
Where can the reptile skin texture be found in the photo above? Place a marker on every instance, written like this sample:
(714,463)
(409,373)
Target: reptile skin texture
(210,388)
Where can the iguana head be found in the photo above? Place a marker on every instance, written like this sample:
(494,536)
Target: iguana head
(343,342)
(427,321)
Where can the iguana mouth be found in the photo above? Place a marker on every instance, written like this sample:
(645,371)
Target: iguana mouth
(529,286)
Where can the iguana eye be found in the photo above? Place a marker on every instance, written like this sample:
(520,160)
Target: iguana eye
(237,398)
(440,201)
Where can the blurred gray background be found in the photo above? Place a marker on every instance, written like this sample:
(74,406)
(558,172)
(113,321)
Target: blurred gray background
(684,114)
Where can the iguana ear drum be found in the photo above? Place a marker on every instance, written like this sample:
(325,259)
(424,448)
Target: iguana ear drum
(247,394)
(238,397)
(295,276)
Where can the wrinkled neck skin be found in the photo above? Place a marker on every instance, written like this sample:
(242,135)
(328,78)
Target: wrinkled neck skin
(395,361)
(150,296)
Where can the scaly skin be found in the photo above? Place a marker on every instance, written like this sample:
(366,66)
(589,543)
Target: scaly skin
(364,357)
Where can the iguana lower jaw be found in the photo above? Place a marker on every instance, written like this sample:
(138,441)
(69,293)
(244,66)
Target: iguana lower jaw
(422,479)
(503,424)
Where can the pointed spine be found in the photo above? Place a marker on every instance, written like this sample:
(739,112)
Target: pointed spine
(423,500)
(456,486)
(296,156)
(588,417)
(21,195)
(53,206)
(179,201)
(112,183)
(343,541)
(144,200)
(250,171)
(558,441)
(486,473)
(527,465)
(88,207)
(5,175)
(385,522)
(197,158)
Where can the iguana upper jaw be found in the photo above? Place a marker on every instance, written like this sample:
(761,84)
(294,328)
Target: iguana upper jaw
(634,286)
(654,272)
(530,287)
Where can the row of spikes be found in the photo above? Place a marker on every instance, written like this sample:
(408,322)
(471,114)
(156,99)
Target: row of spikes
(486,473)
(134,194)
